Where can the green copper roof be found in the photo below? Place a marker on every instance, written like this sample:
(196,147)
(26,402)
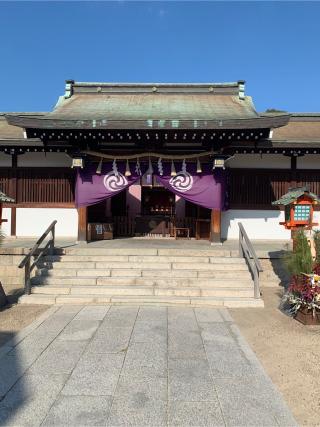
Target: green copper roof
(94,105)
(293,194)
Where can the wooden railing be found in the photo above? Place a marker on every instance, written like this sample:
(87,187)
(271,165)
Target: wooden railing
(247,251)
(37,253)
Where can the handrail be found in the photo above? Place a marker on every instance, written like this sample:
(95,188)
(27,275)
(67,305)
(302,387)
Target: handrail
(247,251)
(48,248)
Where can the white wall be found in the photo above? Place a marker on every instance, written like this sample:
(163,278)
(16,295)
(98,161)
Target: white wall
(34,221)
(6,226)
(259,224)
(44,160)
(309,161)
(257,161)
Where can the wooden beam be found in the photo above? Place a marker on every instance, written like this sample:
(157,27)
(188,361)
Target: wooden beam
(293,163)
(82,224)
(14,184)
(13,222)
(215,233)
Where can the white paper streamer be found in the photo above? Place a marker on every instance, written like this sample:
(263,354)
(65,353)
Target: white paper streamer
(115,168)
(138,169)
(150,168)
(160,166)
(184,166)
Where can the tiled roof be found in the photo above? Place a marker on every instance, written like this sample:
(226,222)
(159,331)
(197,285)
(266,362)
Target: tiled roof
(8,131)
(152,105)
(293,194)
(304,127)
(168,106)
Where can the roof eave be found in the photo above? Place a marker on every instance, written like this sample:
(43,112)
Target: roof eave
(260,122)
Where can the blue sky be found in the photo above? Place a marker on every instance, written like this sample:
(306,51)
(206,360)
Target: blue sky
(274,46)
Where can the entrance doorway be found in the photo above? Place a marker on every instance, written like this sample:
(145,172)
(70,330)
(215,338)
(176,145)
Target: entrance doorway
(160,213)
(202,220)
(156,214)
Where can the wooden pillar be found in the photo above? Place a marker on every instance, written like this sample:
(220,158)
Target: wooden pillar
(14,193)
(82,224)
(215,229)
(293,171)
(13,222)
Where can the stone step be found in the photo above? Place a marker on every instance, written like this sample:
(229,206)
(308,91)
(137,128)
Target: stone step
(143,290)
(176,282)
(231,302)
(210,252)
(144,259)
(144,266)
(144,281)
(216,267)
(166,274)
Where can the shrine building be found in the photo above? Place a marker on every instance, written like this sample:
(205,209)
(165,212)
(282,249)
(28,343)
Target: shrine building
(155,160)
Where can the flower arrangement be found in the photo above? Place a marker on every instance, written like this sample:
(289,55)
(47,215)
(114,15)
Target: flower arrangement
(302,298)
(303,293)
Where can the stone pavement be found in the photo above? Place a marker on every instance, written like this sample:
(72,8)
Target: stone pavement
(139,366)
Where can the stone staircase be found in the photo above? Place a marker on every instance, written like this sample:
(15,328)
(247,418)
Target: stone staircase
(201,277)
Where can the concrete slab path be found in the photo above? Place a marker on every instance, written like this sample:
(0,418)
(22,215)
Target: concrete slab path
(138,366)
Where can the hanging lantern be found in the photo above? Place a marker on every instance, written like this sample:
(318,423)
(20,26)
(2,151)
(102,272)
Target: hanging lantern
(77,162)
(173,169)
(219,162)
(127,172)
(99,167)
(199,170)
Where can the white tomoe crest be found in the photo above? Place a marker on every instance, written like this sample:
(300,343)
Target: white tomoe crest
(114,182)
(182,182)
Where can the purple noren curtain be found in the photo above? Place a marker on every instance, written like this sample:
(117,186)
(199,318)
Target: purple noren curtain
(206,189)
(92,188)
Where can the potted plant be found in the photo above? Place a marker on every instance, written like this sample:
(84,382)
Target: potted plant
(302,298)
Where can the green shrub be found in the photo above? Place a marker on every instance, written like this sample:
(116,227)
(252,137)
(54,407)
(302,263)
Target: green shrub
(316,238)
(300,260)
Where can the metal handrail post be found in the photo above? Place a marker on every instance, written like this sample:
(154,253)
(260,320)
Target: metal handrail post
(27,282)
(240,243)
(26,262)
(256,282)
(247,251)
(51,249)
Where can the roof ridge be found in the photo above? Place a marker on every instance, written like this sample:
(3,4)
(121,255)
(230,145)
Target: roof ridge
(137,84)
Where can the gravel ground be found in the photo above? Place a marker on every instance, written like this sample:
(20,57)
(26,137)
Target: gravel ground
(15,317)
(289,352)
